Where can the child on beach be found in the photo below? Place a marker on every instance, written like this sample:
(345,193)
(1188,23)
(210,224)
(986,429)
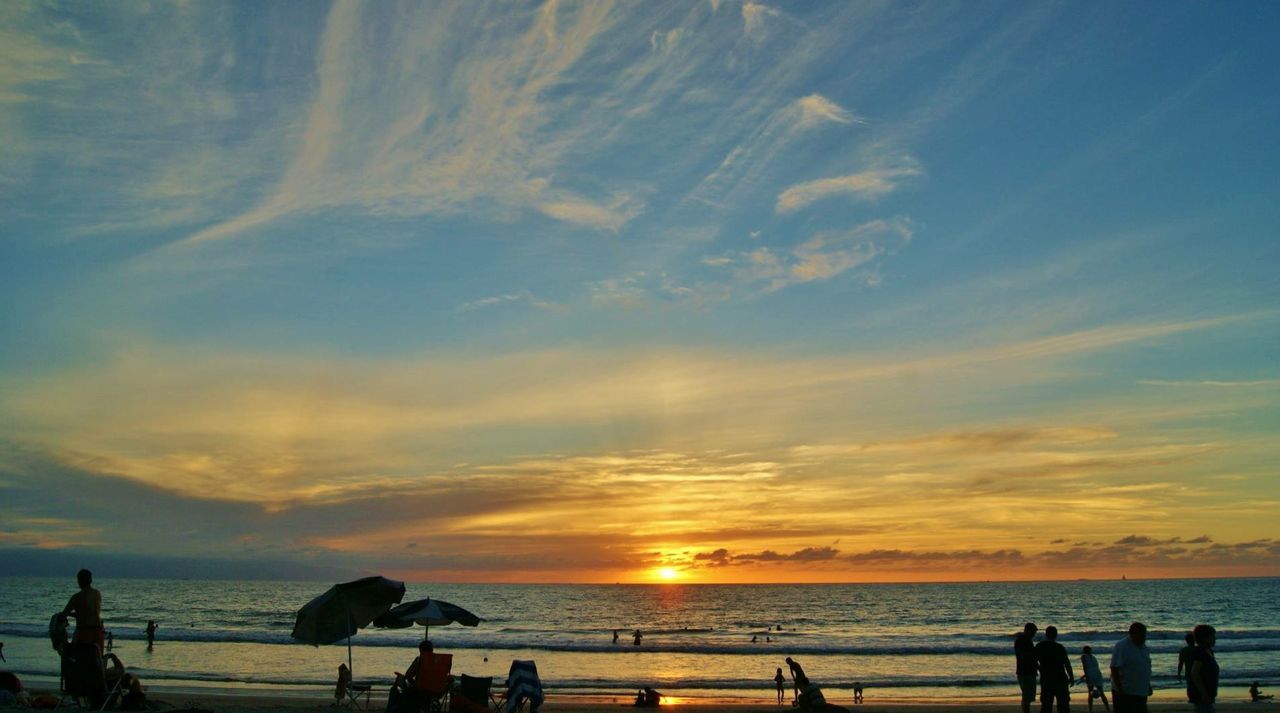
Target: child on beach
(1092,677)
(779,681)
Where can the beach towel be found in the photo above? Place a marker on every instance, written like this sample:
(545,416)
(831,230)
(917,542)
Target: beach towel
(523,685)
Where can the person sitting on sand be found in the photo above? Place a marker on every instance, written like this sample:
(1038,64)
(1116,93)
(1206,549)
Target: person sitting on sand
(1255,694)
(648,698)
(810,698)
(134,696)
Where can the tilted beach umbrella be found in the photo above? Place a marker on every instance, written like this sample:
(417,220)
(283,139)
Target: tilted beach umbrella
(427,612)
(345,609)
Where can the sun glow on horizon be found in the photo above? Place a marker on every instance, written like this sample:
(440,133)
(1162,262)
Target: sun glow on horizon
(667,574)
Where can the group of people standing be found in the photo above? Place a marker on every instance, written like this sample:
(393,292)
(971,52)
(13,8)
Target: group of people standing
(1048,662)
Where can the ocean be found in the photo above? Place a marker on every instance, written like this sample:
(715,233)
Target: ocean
(908,641)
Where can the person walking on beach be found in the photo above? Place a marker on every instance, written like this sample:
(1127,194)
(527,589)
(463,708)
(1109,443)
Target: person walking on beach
(86,606)
(1202,670)
(1131,671)
(1184,662)
(779,682)
(1093,678)
(1024,652)
(1055,672)
(857,692)
(797,674)
(151,633)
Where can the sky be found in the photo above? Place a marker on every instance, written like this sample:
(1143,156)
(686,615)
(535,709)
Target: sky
(641,291)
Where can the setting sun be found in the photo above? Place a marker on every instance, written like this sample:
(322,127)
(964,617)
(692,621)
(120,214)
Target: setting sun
(667,574)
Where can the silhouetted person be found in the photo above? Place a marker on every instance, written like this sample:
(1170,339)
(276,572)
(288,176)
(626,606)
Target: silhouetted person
(1202,669)
(111,641)
(1024,651)
(810,698)
(2,658)
(648,698)
(636,637)
(86,606)
(779,682)
(1255,693)
(1092,677)
(857,692)
(1184,662)
(615,636)
(151,632)
(797,673)
(1055,672)
(1131,671)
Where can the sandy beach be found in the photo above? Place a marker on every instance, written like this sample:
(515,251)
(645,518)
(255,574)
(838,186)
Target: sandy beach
(227,701)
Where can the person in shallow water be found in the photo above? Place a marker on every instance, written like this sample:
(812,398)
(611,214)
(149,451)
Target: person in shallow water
(636,637)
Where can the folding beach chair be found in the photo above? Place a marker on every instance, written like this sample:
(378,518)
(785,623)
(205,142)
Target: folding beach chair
(84,678)
(347,694)
(472,695)
(430,688)
(524,690)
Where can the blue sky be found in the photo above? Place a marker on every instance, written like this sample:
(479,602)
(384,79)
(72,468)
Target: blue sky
(577,270)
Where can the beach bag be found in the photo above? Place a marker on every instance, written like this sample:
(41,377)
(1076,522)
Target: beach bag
(134,701)
(44,701)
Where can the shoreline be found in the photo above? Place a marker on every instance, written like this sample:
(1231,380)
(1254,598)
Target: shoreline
(227,701)
(253,700)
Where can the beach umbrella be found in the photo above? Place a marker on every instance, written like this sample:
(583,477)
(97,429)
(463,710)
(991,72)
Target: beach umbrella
(427,612)
(345,609)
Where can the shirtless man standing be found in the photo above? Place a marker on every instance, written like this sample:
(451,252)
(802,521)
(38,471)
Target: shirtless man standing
(86,606)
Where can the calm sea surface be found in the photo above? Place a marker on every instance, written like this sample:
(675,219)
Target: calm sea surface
(900,641)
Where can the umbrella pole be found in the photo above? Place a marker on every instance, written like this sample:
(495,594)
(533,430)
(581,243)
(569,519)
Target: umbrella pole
(349,664)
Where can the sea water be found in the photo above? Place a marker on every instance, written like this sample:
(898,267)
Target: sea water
(909,641)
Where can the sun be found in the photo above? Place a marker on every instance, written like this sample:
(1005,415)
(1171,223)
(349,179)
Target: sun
(667,574)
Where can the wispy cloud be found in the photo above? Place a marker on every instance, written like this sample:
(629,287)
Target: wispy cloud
(603,217)
(866,185)
(1213,383)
